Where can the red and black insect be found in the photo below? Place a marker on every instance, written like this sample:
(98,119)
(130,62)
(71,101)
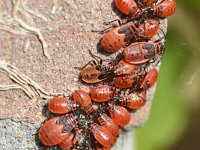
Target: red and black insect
(103,93)
(98,72)
(67,143)
(128,7)
(107,122)
(133,7)
(95,73)
(57,129)
(62,105)
(119,114)
(134,100)
(142,52)
(124,68)
(163,9)
(84,99)
(102,135)
(127,81)
(144,8)
(129,32)
(149,80)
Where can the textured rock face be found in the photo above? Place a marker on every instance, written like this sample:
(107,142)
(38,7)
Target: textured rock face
(66,27)
(17,135)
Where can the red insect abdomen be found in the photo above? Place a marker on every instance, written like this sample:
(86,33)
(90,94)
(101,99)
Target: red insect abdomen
(102,135)
(165,8)
(124,68)
(67,143)
(134,53)
(134,100)
(90,74)
(119,114)
(51,132)
(61,105)
(128,7)
(127,81)
(148,29)
(101,93)
(149,80)
(112,40)
(109,124)
(84,99)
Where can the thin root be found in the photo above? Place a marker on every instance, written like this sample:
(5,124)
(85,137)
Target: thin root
(31,88)
(37,32)
(32,12)
(54,7)
(18,26)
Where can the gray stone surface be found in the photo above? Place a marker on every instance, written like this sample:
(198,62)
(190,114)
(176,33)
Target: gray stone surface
(17,135)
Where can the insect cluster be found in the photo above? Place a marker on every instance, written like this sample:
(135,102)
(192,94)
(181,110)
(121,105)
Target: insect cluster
(88,121)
